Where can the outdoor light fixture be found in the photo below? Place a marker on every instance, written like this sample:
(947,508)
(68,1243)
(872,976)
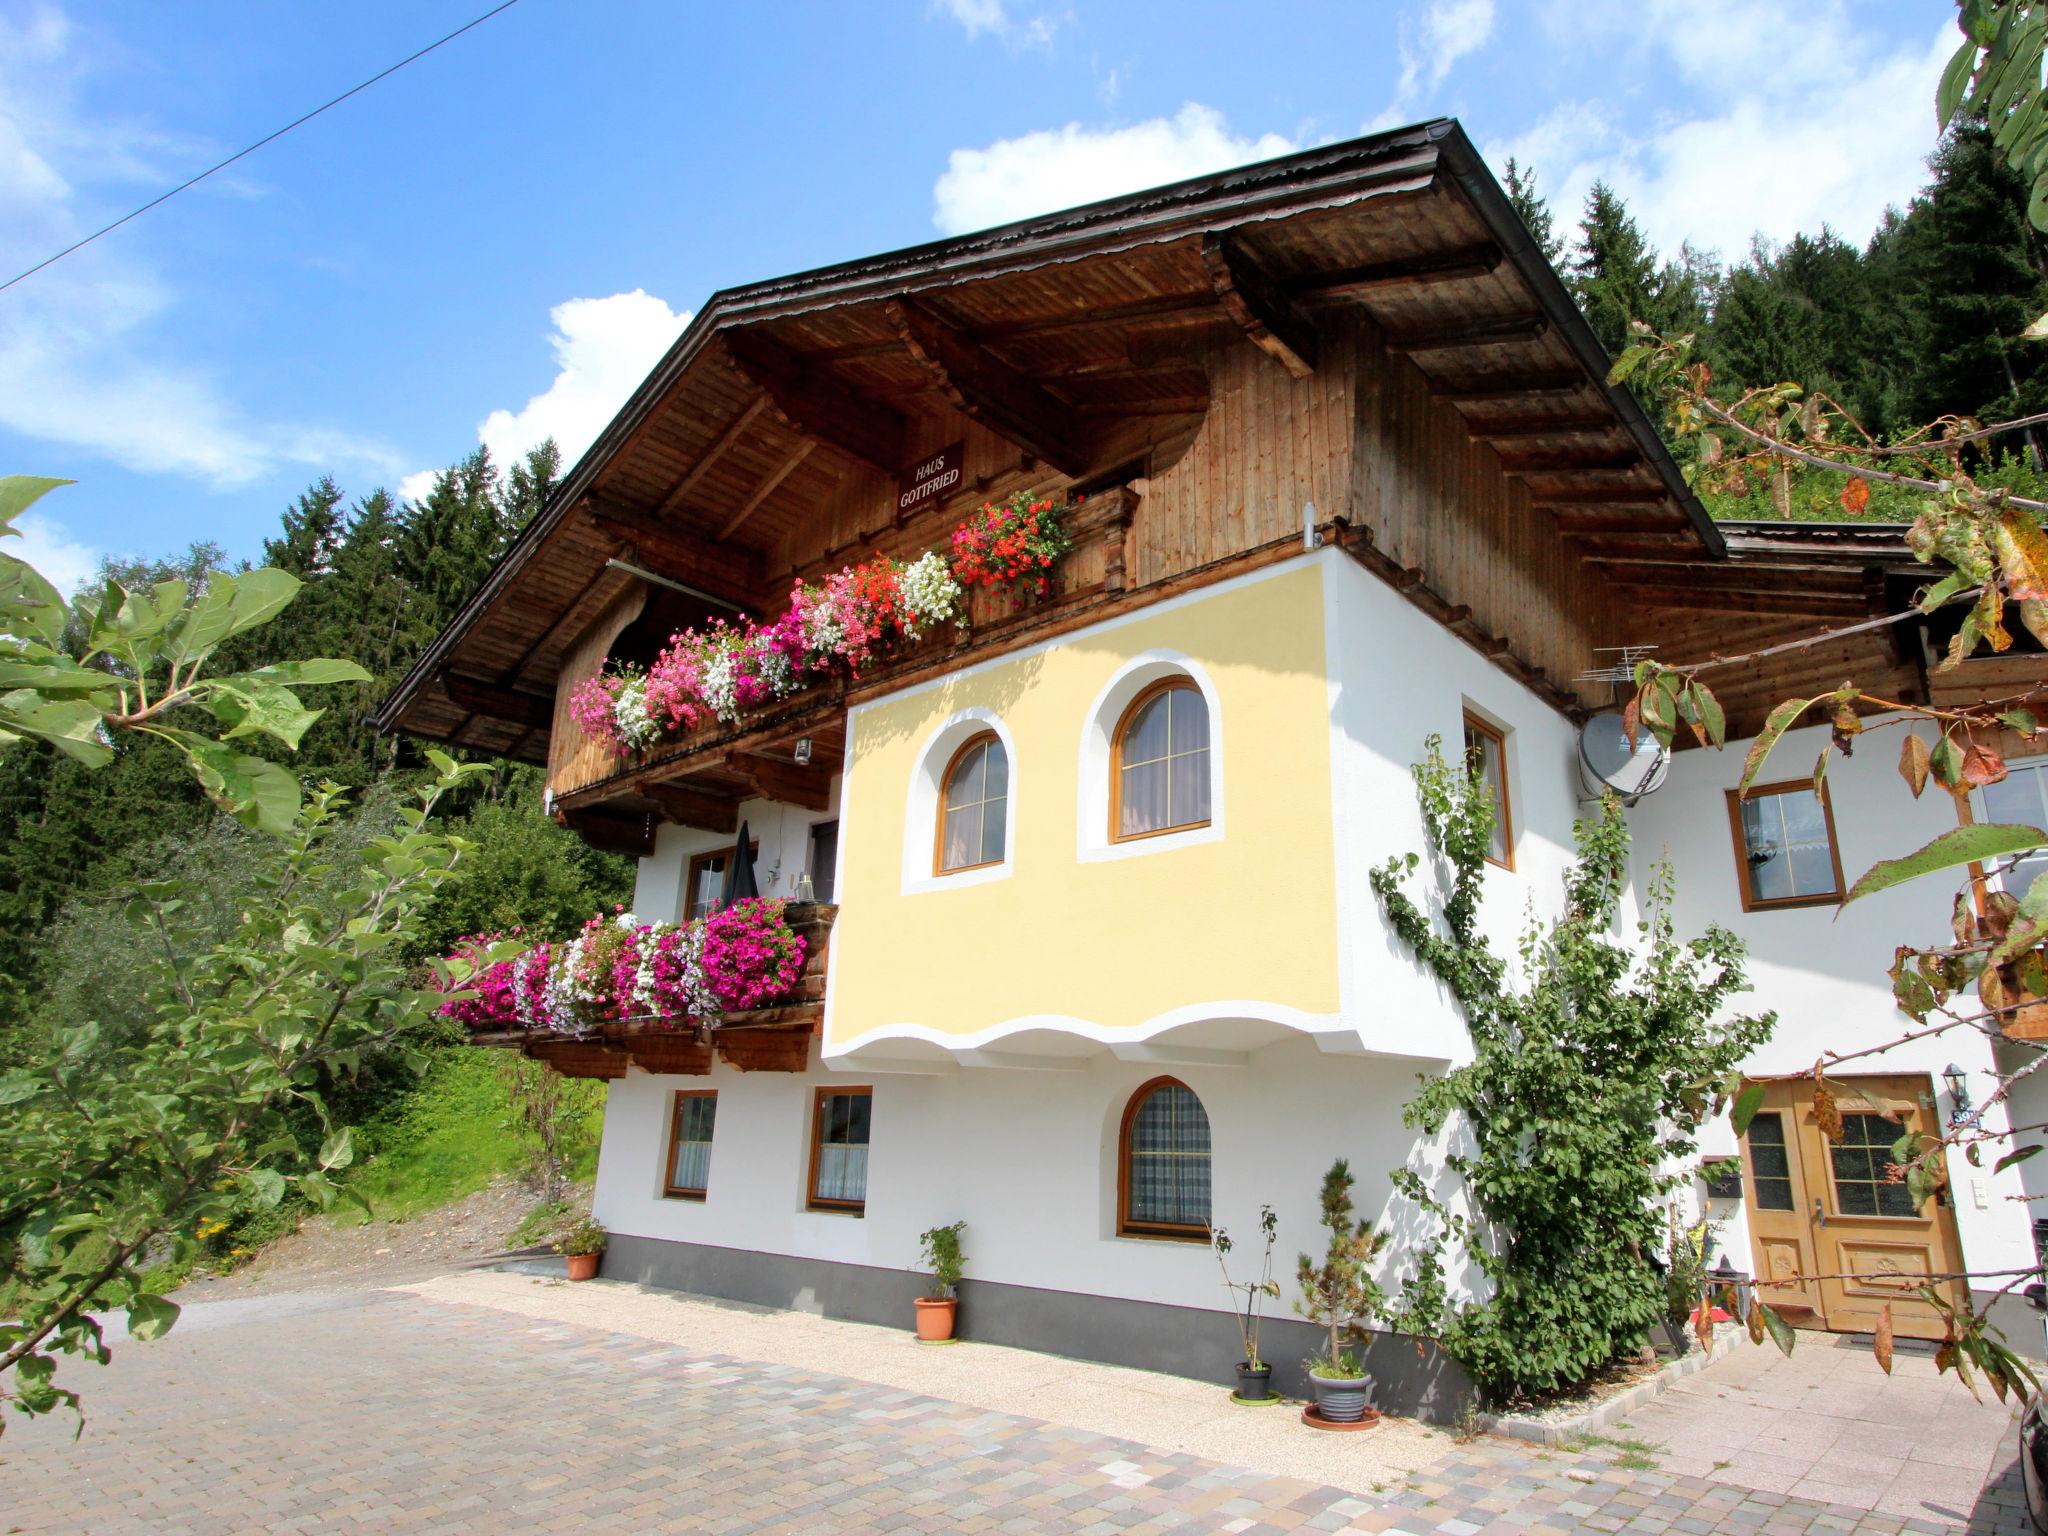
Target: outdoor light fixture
(803,749)
(1958,1084)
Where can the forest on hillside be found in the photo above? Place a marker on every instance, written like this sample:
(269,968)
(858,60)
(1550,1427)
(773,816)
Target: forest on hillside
(1921,321)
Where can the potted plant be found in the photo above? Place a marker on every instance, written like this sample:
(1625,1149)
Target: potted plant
(582,1244)
(1340,1294)
(936,1308)
(1254,1375)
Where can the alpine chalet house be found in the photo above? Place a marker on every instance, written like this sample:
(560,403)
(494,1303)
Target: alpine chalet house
(1092,958)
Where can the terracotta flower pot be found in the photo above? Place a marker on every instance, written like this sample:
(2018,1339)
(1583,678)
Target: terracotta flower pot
(583,1266)
(935,1318)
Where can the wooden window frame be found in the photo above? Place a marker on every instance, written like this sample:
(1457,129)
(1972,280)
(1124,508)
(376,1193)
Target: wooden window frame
(1750,903)
(669,1189)
(811,1200)
(1145,696)
(1152,1231)
(1870,1106)
(1499,738)
(810,852)
(939,867)
(698,861)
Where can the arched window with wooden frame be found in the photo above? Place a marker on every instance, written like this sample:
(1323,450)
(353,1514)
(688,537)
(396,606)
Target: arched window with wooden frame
(1159,762)
(974,805)
(1162,1177)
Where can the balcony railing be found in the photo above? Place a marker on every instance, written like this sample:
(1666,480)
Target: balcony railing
(773,1038)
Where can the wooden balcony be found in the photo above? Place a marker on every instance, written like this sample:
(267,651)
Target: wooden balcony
(776,1038)
(700,778)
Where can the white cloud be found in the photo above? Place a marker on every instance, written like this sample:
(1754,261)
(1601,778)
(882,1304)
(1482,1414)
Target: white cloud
(83,364)
(66,562)
(603,349)
(1827,127)
(992,18)
(1063,167)
(1448,30)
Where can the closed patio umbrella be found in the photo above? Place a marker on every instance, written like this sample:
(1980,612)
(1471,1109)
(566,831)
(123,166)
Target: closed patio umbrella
(739,871)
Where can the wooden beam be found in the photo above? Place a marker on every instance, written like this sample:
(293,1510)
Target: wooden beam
(1519,427)
(1606,496)
(984,388)
(710,457)
(1377,277)
(1652,520)
(482,697)
(1484,333)
(1708,601)
(728,570)
(1564,462)
(614,831)
(767,487)
(1261,308)
(694,807)
(791,783)
(813,405)
(1516,387)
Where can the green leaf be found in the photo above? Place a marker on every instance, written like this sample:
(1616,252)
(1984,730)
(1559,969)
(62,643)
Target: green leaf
(1955,80)
(70,725)
(267,1184)
(151,1317)
(17,1086)
(258,597)
(1747,1103)
(319,669)
(337,1151)
(1774,727)
(20,492)
(2019,1155)
(1958,846)
(2021,720)
(1780,1331)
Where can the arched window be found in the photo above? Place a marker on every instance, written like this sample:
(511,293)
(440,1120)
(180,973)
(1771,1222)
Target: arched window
(1160,764)
(1163,1164)
(973,806)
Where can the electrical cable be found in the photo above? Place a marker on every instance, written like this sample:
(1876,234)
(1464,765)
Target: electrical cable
(267,138)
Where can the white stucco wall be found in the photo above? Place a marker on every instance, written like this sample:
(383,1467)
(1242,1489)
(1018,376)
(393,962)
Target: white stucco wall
(1027,1158)
(783,832)
(1824,972)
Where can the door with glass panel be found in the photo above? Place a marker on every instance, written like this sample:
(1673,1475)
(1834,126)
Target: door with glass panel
(1852,1241)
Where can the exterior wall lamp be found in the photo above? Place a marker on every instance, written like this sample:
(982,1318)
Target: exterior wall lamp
(1958,1084)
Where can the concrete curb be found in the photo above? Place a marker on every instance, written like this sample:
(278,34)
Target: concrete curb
(1560,1431)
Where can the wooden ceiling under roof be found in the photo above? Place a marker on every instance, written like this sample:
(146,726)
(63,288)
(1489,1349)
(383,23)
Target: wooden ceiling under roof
(1078,338)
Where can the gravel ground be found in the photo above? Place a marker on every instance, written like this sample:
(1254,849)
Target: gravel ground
(1170,1413)
(329,1255)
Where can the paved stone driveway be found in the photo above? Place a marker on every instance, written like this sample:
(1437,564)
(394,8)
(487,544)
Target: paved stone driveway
(385,1411)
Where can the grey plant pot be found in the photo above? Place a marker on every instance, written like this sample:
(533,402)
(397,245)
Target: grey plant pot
(1340,1399)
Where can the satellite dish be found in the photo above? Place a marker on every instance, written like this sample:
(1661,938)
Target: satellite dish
(1608,762)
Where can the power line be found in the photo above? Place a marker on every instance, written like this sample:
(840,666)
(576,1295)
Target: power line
(506,5)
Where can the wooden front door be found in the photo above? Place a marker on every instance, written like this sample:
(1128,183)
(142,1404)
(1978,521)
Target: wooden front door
(1820,1208)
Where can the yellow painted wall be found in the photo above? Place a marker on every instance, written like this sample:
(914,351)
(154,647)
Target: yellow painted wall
(1118,942)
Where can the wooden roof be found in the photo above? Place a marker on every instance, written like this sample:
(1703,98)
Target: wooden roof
(1068,335)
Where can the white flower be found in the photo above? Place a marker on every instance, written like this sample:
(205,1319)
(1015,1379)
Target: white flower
(637,728)
(930,594)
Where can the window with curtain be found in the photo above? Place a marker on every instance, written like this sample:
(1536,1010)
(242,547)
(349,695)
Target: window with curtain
(704,881)
(689,1143)
(2021,798)
(1161,762)
(1785,847)
(839,1149)
(1164,1158)
(975,805)
(1486,749)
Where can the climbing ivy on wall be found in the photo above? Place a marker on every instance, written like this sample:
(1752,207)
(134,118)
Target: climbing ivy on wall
(1595,1063)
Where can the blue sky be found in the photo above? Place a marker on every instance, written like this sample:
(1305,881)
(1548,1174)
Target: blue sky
(496,243)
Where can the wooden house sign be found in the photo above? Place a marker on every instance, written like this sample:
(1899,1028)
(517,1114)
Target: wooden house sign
(931,480)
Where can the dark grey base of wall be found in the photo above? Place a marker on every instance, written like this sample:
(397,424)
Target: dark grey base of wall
(1181,1341)
(2020,1323)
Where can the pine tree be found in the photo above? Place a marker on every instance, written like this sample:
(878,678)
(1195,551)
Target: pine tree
(311,531)
(1535,212)
(1613,271)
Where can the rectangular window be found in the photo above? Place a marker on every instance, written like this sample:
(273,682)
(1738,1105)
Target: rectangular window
(839,1149)
(1486,749)
(1785,847)
(824,859)
(689,1143)
(704,881)
(1861,1163)
(2020,797)
(1770,1167)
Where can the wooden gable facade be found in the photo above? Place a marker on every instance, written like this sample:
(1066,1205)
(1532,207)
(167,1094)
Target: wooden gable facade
(1360,345)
